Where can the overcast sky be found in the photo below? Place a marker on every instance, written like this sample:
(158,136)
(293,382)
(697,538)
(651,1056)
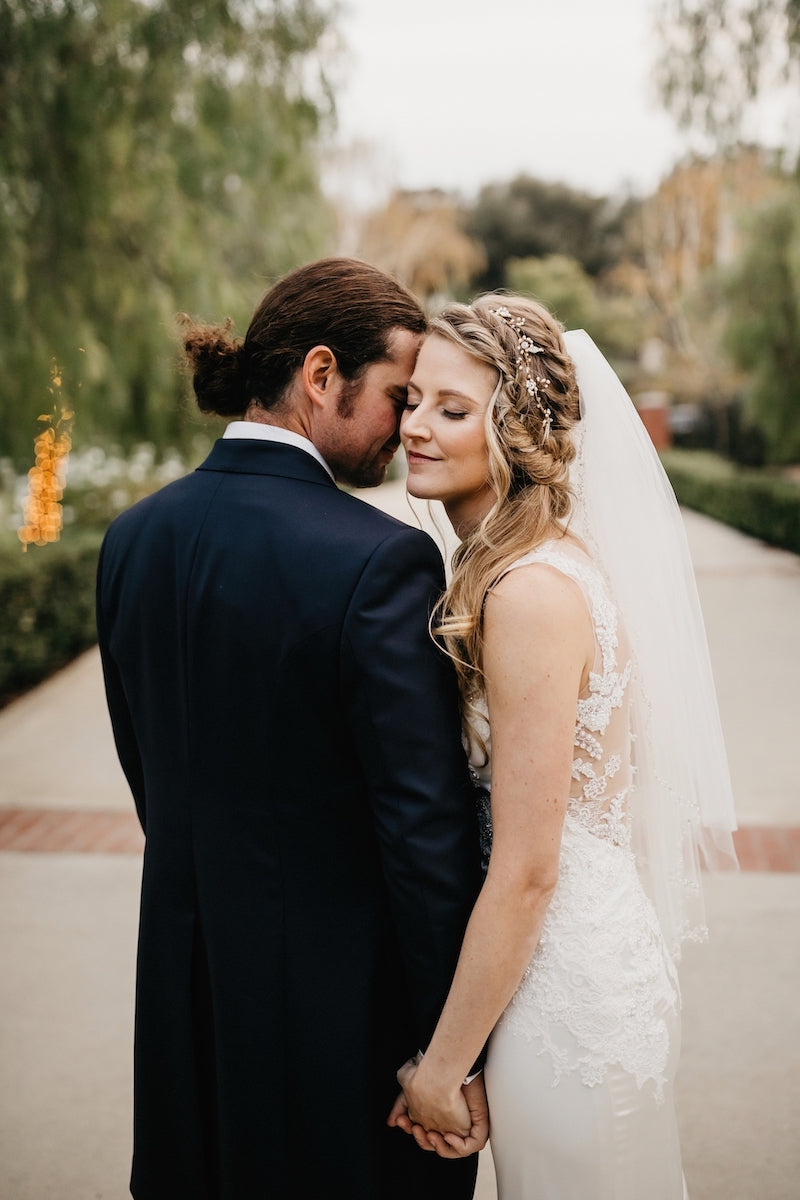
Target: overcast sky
(457,93)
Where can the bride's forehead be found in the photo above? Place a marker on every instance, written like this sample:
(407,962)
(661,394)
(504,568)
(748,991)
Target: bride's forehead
(445,364)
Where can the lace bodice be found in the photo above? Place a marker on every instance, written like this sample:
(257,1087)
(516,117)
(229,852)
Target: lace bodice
(602,771)
(600,987)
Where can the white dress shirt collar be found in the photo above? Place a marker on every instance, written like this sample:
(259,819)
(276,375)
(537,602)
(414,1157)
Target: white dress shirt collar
(274,433)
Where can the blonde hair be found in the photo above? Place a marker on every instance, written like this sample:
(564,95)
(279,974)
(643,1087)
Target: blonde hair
(530,448)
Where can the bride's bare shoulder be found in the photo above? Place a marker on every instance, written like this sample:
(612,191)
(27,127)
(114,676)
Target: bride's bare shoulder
(537,592)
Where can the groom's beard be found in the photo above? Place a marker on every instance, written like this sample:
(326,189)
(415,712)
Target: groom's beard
(362,468)
(369,472)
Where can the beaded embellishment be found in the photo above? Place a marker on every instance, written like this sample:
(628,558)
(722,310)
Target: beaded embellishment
(535,385)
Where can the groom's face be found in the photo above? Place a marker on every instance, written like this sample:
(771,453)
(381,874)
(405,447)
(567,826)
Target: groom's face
(364,434)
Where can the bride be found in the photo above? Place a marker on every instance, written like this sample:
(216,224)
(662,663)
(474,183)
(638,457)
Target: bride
(573,621)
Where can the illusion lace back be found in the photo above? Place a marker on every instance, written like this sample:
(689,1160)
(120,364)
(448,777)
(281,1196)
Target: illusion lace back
(581,1063)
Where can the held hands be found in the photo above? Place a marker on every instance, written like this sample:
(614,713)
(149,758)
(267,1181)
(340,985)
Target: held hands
(453,1123)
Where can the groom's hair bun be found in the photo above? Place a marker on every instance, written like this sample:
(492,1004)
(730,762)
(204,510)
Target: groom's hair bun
(218,364)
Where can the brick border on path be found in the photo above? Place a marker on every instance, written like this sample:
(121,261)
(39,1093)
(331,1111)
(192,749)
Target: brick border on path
(70,831)
(78,831)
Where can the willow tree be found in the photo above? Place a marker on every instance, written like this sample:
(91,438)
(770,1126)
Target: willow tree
(155,155)
(719,55)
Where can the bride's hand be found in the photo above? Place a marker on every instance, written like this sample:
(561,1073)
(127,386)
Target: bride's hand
(450,1145)
(444,1141)
(399,1117)
(430,1104)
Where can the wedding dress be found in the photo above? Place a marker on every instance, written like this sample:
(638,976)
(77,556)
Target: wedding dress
(581,1065)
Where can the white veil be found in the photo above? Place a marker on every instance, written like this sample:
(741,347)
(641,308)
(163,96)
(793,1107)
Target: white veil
(626,512)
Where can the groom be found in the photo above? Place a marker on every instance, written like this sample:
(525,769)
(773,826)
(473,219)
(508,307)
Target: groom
(291,738)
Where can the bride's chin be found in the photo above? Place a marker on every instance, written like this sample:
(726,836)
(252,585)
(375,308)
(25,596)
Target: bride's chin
(419,491)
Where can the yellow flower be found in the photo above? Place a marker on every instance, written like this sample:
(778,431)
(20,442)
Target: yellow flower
(42,517)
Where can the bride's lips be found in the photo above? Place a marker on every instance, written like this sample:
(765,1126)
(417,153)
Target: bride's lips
(414,457)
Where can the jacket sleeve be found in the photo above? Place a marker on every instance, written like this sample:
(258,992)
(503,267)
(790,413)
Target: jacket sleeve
(403,711)
(119,712)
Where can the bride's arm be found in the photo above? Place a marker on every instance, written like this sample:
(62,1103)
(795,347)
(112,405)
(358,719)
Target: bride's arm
(538,648)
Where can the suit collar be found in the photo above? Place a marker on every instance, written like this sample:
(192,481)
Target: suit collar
(275,433)
(250,456)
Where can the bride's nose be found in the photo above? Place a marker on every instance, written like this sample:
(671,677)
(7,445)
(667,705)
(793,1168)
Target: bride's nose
(412,425)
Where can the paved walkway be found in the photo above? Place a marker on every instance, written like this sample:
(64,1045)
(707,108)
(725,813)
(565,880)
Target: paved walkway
(69,873)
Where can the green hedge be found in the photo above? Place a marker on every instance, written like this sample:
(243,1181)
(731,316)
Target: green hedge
(758,502)
(46,607)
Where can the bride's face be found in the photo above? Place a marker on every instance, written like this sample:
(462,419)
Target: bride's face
(442,430)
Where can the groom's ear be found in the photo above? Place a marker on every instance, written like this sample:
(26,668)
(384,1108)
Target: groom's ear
(320,373)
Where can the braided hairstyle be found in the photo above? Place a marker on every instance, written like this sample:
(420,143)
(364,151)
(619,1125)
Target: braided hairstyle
(529,433)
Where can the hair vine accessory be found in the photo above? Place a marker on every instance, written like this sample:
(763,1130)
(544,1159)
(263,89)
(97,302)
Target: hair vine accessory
(535,384)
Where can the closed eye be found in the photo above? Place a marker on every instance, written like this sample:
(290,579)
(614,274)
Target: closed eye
(452,414)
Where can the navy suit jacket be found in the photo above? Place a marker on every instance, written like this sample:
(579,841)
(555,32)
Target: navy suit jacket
(291,737)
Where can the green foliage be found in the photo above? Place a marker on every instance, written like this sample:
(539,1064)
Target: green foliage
(47,593)
(719,54)
(559,282)
(528,218)
(155,156)
(614,321)
(47,606)
(762,289)
(757,502)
